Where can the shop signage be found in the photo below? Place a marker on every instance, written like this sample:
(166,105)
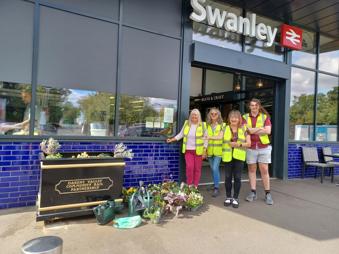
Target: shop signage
(291,37)
(233,23)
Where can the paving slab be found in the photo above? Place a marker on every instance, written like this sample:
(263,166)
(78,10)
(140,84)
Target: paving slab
(303,219)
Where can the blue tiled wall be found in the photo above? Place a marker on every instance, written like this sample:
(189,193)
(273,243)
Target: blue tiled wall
(20,170)
(295,160)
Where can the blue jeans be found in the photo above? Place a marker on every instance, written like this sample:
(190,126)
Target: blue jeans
(214,164)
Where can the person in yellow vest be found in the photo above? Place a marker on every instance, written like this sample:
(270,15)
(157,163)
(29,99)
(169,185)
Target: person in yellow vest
(259,127)
(194,146)
(215,128)
(235,142)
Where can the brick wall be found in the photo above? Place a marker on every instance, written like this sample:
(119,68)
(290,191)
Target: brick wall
(295,160)
(20,170)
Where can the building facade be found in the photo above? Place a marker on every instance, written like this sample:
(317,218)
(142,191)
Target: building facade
(96,73)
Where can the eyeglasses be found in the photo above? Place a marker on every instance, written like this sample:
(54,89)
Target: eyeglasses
(213,114)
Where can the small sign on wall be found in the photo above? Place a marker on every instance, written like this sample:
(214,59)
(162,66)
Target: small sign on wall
(291,37)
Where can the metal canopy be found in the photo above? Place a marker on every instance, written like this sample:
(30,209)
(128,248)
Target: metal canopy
(315,15)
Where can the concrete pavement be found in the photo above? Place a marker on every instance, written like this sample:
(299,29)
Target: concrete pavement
(304,219)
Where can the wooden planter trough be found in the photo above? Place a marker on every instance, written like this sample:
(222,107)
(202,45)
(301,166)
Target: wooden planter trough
(71,187)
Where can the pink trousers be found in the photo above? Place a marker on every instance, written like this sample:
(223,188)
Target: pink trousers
(193,167)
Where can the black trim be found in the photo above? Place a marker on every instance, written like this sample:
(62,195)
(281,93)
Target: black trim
(117,95)
(35,58)
(315,106)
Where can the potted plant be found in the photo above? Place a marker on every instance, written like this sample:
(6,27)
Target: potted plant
(153,214)
(127,193)
(194,201)
(175,202)
(72,183)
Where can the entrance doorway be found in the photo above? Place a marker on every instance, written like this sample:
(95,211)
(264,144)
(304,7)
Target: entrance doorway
(227,90)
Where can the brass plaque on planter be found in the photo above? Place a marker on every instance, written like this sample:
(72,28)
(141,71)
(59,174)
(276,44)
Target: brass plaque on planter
(84,185)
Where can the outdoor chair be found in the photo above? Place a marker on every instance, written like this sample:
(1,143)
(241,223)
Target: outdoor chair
(329,159)
(311,159)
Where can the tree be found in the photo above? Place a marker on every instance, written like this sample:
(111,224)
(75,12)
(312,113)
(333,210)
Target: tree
(70,113)
(301,112)
(98,107)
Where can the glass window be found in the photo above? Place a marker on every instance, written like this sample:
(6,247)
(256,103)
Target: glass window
(196,81)
(257,47)
(15,108)
(161,16)
(329,55)
(302,104)
(218,82)
(16,66)
(76,76)
(218,36)
(101,8)
(305,57)
(63,111)
(147,117)
(149,84)
(327,108)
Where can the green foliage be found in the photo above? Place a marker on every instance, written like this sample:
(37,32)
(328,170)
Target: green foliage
(70,113)
(98,107)
(194,200)
(131,113)
(301,112)
(54,156)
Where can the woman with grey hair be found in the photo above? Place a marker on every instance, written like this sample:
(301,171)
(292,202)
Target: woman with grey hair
(215,130)
(194,146)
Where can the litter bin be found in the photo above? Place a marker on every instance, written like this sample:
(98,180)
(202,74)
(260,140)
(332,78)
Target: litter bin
(43,245)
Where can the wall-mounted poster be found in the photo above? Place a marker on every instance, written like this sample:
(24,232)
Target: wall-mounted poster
(168,115)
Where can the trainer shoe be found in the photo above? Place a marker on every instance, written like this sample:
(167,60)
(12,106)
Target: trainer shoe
(215,192)
(268,199)
(235,203)
(228,202)
(251,196)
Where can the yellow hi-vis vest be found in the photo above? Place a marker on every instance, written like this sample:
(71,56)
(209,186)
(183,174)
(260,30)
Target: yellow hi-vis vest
(214,146)
(238,153)
(260,123)
(199,134)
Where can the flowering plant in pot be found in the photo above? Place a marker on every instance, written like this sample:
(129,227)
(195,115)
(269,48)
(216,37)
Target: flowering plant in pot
(82,178)
(127,193)
(153,213)
(194,201)
(175,202)
(50,147)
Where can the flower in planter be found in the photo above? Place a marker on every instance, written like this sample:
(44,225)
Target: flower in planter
(153,213)
(194,200)
(188,189)
(121,151)
(50,147)
(175,202)
(127,193)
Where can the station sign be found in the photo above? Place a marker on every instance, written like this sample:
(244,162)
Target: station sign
(291,37)
(247,26)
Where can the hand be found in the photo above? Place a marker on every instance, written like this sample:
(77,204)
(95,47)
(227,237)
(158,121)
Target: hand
(170,140)
(5,128)
(234,144)
(204,155)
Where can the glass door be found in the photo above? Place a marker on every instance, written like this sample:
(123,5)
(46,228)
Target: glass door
(226,91)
